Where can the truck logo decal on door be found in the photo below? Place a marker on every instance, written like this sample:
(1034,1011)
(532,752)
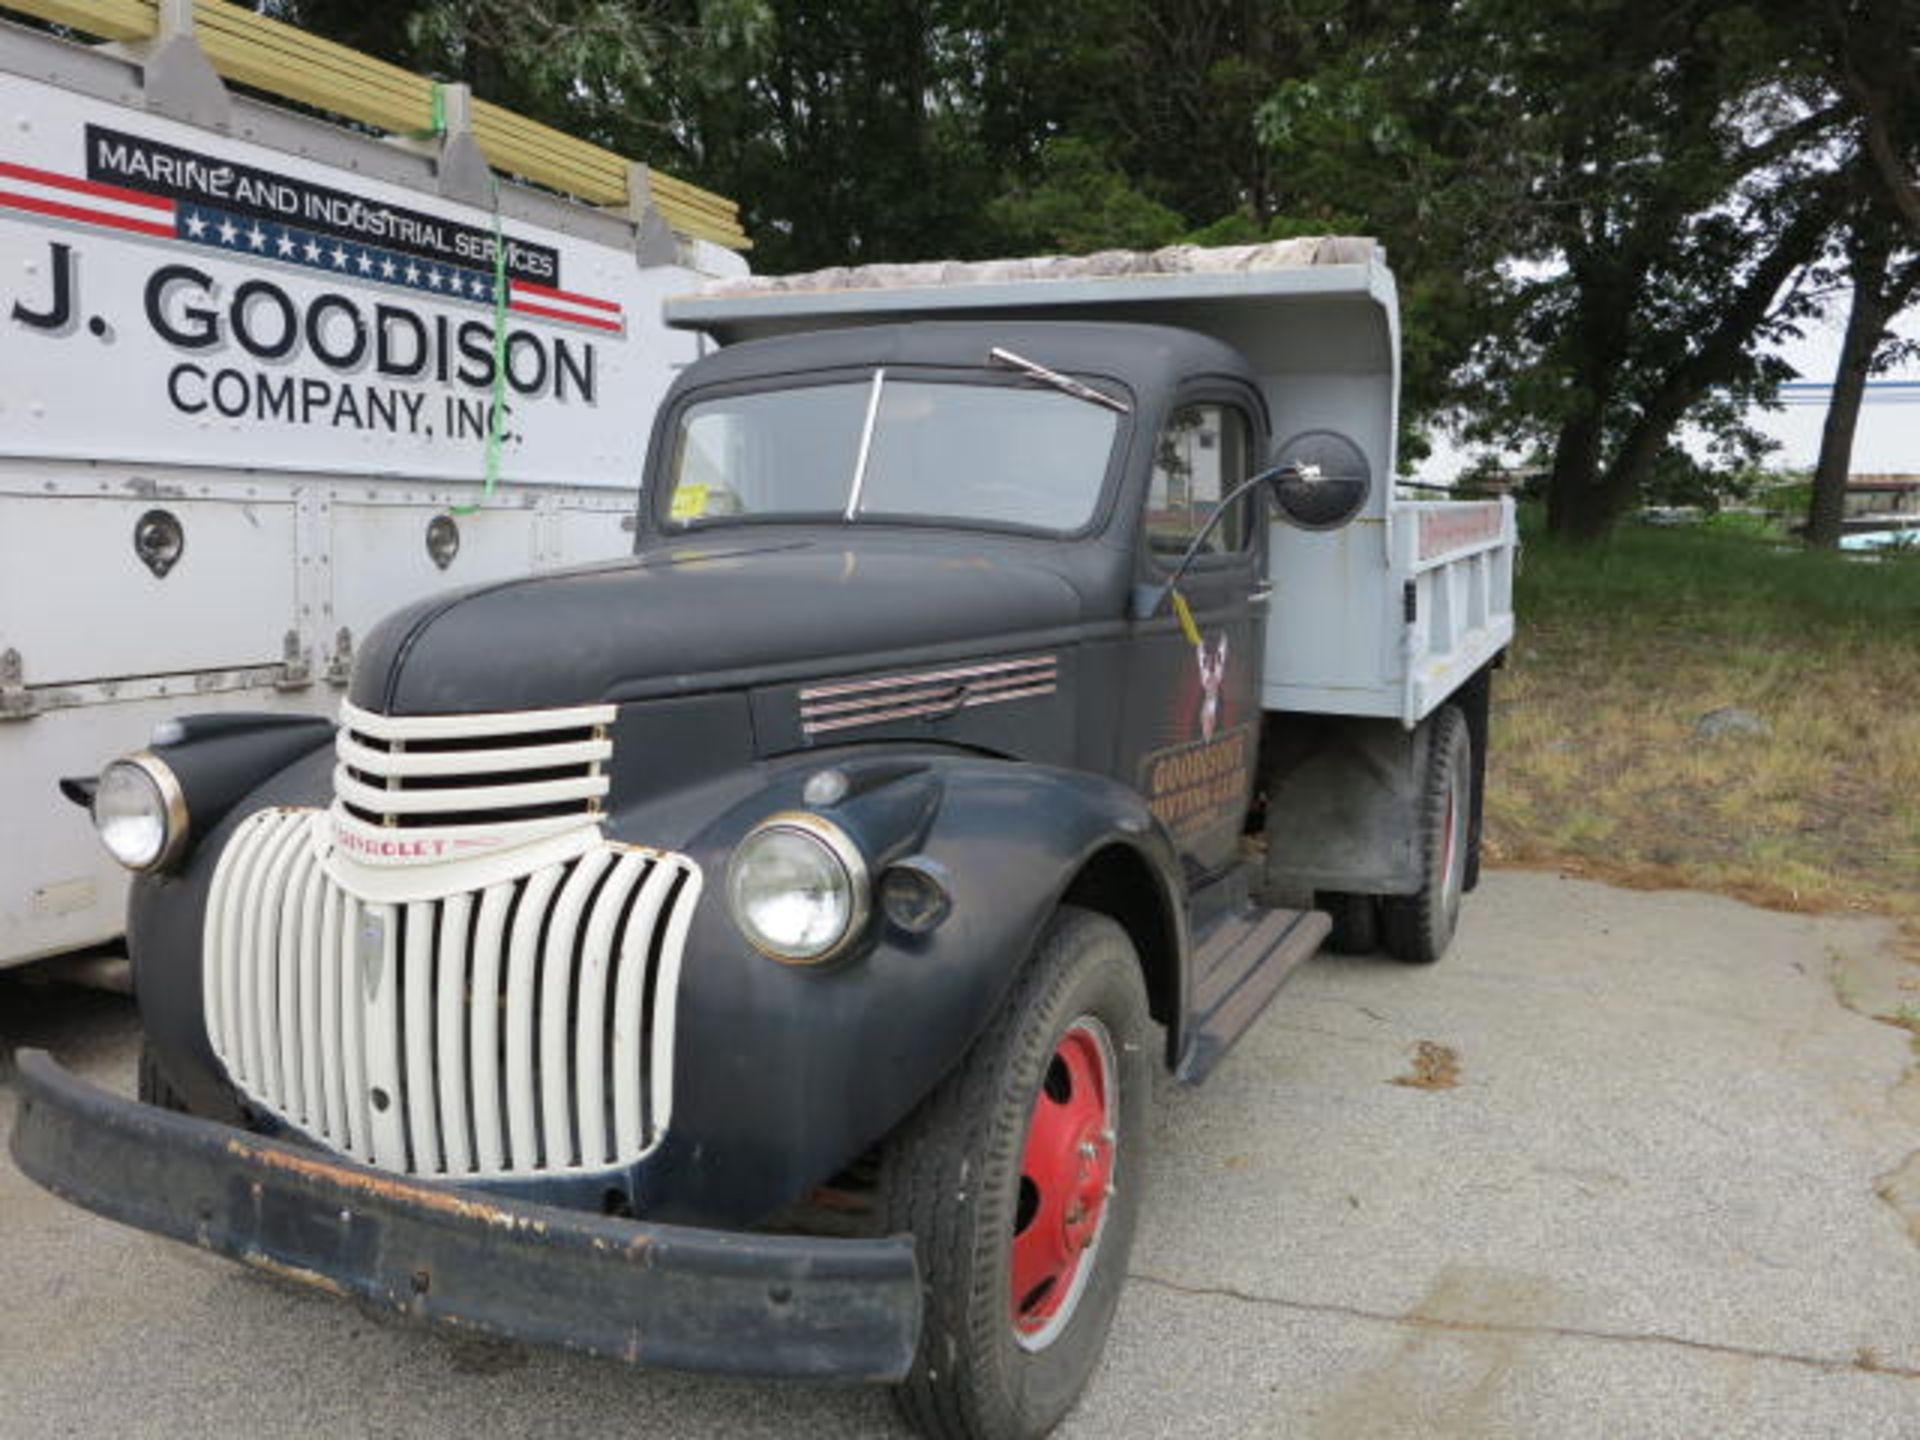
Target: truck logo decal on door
(1197,788)
(1213,671)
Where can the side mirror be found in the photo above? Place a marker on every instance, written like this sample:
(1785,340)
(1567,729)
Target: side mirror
(1320,480)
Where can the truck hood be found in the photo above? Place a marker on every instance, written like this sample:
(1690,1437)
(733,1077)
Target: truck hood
(705,615)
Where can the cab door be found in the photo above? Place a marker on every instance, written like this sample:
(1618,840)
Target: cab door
(1191,726)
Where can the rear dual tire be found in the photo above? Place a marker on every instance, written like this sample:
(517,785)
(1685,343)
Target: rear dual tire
(1418,928)
(1356,921)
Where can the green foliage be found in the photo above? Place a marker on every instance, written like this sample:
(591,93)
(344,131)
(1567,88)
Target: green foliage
(1078,202)
(1679,479)
(1713,582)
(1784,492)
(1628,192)
(1599,211)
(594,51)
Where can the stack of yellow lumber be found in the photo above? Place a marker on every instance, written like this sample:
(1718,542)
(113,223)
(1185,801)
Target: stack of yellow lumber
(279,59)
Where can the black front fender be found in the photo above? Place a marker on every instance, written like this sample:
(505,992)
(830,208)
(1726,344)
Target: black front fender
(784,1074)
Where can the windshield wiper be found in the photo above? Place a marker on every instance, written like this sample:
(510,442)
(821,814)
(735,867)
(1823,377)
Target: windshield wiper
(1064,383)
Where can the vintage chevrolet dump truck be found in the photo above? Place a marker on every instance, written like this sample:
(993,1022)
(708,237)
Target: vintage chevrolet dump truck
(752,955)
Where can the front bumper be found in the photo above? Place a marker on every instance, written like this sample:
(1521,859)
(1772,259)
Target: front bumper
(665,1295)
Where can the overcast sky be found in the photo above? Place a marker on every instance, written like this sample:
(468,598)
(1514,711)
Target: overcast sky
(1887,441)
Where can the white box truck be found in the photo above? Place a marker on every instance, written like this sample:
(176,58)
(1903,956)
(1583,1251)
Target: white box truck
(249,362)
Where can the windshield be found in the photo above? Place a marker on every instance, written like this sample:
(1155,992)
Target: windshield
(886,448)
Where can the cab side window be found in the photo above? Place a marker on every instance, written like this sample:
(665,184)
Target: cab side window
(1202,453)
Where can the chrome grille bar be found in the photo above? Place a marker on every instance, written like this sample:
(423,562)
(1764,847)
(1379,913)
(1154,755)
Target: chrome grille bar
(483,1097)
(311,941)
(354,1058)
(523,970)
(590,1055)
(558,969)
(629,1016)
(423,1097)
(378,951)
(332,1119)
(521,1029)
(495,779)
(450,1037)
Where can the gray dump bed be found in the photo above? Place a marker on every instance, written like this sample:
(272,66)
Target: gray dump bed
(1386,617)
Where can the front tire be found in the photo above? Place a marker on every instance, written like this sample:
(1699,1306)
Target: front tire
(1020,1179)
(1419,927)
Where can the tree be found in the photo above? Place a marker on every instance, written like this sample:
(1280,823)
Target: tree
(1680,188)
(1881,289)
(1873,46)
(1599,210)
(1617,204)
(1077,203)
(1868,47)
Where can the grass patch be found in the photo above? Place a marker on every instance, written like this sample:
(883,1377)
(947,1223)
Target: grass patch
(1598,766)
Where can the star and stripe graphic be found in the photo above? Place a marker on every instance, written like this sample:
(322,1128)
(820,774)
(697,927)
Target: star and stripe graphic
(86,202)
(133,212)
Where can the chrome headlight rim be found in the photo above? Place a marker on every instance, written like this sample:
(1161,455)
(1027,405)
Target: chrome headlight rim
(173,807)
(842,849)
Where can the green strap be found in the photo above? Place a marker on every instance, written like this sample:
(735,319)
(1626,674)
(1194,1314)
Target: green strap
(496,418)
(436,117)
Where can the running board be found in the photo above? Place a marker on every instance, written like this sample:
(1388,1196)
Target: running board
(1241,965)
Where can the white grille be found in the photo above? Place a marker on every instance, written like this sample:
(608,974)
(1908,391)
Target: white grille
(523,1028)
(412,787)
(930,694)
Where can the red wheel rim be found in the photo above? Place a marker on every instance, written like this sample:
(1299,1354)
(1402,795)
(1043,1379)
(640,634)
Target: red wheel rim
(1066,1182)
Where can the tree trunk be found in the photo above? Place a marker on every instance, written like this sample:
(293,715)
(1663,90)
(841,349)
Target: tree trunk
(1866,323)
(1573,509)
(1710,363)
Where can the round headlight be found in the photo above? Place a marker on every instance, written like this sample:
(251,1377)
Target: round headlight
(140,811)
(798,888)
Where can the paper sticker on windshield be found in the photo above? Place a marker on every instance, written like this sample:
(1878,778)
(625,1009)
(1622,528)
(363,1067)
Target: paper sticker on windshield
(689,501)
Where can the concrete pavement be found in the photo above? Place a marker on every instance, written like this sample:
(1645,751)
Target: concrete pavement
(1614,1167)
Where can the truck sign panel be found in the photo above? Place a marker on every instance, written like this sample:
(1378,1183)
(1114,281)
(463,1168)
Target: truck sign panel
(254,312)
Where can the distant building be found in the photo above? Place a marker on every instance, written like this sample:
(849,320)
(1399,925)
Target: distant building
(1882,495)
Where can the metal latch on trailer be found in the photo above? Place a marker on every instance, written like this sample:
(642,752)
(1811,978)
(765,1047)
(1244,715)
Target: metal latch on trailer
(16,701)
